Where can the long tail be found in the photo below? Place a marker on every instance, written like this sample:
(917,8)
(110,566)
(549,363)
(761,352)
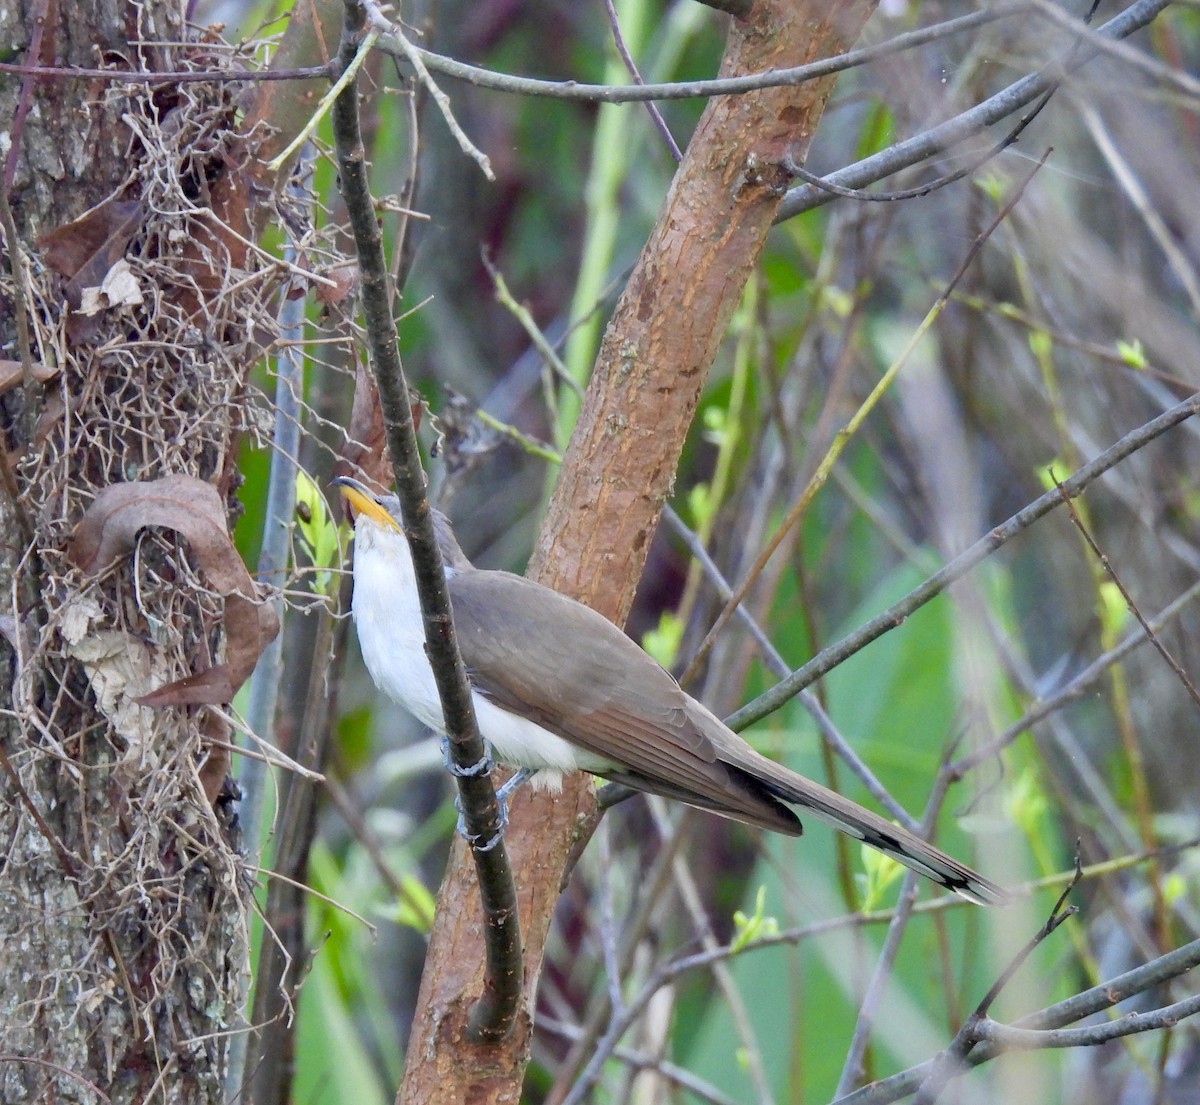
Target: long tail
(893,840)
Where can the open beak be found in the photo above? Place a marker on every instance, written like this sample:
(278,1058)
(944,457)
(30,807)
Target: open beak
(362,501)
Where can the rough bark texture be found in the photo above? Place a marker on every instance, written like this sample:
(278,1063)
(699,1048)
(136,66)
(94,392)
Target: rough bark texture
(618,473)
(121,901)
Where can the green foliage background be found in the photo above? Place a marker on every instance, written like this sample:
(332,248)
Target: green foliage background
(838,290)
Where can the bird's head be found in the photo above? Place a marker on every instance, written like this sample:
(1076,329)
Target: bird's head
(382,510)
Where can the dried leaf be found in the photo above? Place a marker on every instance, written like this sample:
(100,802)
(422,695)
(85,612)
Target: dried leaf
(53,411)
(365,452)
(215,766)
(465,441)
(195,511)
(12,373)
(209,687)
(119,667)
(118,288)
(345,283)
(84,250)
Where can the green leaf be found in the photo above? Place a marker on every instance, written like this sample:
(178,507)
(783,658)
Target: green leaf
(1114,611)
(323,541)
(1026,802)
(699,500)
(748,929)
(715,424)
(1041,344)
(416,908)
(1174,888)
(1132,353)
(992,186)
(878,130)
(1047,474)
(663,642)
(880,873)
(840,302)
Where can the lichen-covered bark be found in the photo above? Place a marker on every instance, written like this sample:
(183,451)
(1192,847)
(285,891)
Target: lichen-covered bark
(121,900)
(616,476)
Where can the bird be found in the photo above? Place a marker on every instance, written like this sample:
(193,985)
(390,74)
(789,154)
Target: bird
(557,687)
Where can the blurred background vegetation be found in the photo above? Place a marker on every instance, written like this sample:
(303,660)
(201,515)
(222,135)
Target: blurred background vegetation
(1076,323)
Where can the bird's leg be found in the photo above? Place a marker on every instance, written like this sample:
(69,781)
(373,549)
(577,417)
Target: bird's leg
(505,790)
(502,795)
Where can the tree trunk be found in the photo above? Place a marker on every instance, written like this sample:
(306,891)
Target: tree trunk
(122,937)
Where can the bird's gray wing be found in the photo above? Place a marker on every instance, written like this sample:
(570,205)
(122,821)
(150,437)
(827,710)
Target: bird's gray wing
(583,679)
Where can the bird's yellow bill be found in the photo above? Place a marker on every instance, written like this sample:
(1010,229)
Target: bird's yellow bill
(363,503)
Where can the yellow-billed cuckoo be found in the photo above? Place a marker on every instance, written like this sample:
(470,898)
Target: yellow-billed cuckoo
(558,687)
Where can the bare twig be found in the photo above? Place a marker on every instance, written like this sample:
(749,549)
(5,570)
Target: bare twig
(1104,996)
(1114,48)
(313,892)
(1153,637)
(38,24)
(660,124)
(930,186)
(687,90)
(951,1062)
(344,79)
(171,76)
(272,567)
(381,25)
(830,657)
(969,123)
(29,584)
(61,1071)
(843,436)
(677,1075)
(495,1012)
(1074,689)
(1008,1038)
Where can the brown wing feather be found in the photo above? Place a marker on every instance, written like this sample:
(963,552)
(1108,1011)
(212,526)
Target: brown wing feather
(584,680)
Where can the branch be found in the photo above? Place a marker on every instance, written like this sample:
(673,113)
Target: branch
(830,657)
(1130,605)
(1085,1004)
(652,365)
(381,24)
(171,76)
(494,1013)
(953,1061)
(776,664)
(1007,1038)
(687,90)
(929,186)
(1114,48)
(842,438)
(969,123)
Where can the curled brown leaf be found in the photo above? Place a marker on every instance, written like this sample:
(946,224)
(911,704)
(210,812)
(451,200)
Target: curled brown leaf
(365,453)
(194,510)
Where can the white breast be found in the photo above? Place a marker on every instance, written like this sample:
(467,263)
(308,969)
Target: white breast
(390,634)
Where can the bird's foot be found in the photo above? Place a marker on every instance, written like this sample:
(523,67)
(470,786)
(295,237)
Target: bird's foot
(472,770)
(475,839)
